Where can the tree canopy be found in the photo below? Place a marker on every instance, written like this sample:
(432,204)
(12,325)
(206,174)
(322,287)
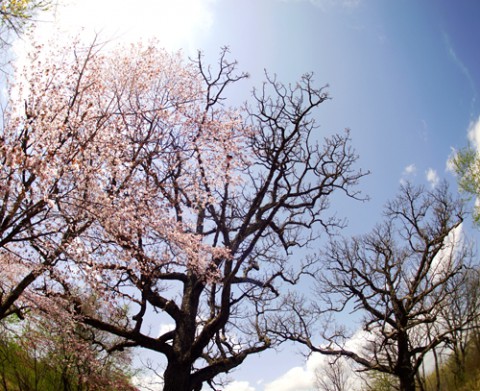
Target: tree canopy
(127,178)
(467,167)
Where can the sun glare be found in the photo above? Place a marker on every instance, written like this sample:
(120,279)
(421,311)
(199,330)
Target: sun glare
(176,24)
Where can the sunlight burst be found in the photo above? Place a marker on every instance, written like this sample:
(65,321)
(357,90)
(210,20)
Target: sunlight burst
(176,24)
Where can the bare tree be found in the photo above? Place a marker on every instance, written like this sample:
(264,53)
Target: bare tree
(399,277)
(332,376)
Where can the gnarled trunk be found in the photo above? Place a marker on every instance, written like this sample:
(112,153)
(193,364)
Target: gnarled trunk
(177,377)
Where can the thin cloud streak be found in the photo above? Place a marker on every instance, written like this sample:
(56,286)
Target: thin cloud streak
(462,67)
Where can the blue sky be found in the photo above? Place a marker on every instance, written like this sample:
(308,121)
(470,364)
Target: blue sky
(404,76)
(401,73)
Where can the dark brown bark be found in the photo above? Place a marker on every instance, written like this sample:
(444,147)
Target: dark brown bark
(406,374)
(177,377)
(407,382)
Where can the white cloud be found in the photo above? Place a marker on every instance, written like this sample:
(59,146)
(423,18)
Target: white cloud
(407,172)
(453,244)
(304,378)
(239,386)
(165,328)
(432,177)
(296,379)
(450,166)
(410,169)
(474,134)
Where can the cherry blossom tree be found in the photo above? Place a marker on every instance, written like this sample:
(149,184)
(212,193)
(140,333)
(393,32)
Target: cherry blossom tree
(130,180)
(43,180)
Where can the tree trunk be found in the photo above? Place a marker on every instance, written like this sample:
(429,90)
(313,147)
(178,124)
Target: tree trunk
(406,373)
(407,382)
(177,377)
(437,370)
